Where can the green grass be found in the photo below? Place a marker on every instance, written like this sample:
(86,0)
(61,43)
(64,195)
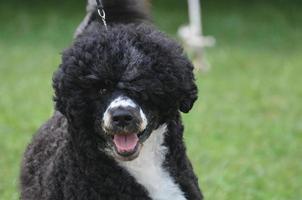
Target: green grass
(244,134)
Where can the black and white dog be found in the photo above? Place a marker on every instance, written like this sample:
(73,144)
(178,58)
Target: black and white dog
(116,133)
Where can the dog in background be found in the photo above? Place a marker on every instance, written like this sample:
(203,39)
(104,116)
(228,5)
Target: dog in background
(117,132)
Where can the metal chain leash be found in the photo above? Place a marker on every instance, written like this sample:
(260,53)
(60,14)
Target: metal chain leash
(101,12)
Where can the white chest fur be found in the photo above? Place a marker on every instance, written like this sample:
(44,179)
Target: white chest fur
(147,169)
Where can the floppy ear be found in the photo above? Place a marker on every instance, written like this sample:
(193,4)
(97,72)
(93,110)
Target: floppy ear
(189,99)
(189,89)
(187,103)
(71,89)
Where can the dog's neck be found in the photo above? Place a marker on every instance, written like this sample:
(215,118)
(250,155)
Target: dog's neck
(148,168)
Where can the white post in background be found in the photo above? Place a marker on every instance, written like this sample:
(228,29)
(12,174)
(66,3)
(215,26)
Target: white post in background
(195,17)
(192,35)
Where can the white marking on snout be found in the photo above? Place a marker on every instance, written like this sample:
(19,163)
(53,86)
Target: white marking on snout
(144,120)
(106,120)
(148,168)
(123,102)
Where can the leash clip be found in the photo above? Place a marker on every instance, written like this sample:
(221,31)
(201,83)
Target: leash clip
(101,13)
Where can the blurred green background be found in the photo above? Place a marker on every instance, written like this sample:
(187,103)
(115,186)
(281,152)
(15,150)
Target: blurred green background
(244,135)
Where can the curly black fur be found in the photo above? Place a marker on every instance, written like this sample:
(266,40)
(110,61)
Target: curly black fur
(64,161)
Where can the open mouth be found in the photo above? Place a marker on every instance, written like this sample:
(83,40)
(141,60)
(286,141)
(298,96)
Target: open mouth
(127,146)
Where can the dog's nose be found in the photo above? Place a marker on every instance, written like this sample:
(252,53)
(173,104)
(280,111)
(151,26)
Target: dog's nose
(122,117)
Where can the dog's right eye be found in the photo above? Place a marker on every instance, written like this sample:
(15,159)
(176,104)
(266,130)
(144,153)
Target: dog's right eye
(103,91)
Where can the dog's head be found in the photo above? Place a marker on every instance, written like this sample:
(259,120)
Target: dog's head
(122,84)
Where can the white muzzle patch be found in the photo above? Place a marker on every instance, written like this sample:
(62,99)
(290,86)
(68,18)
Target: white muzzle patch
(123,102)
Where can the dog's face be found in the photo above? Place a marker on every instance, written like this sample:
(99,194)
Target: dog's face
(125,124)
(121,85)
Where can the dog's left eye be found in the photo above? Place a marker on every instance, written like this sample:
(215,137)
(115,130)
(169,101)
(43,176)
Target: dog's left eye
(103,91)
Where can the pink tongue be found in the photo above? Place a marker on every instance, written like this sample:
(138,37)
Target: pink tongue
(125,143)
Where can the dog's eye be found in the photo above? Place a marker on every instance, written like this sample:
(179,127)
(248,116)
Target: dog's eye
(103,91)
